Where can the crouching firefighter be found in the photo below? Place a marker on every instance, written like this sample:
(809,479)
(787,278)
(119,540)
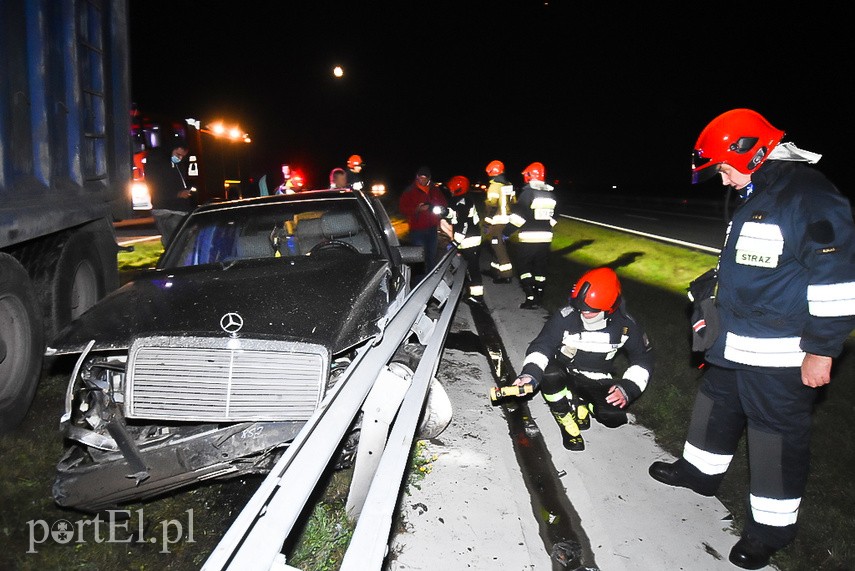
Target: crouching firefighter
(572,358)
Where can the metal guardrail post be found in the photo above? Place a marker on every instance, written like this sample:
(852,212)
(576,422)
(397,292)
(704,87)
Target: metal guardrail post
(370,541)
(255,538)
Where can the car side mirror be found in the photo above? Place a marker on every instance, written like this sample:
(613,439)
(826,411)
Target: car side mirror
(412,254)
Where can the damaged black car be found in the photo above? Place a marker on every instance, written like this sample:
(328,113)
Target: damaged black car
(208,365)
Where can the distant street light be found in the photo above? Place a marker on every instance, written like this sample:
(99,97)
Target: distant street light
(227,134)
(338,71)
(233,133)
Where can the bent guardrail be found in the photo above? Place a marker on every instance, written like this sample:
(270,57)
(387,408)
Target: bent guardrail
(255,538)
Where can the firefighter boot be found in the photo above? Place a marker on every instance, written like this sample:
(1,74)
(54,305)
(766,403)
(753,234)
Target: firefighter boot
(570,435)
(583,414)
(538,294)
(531,301)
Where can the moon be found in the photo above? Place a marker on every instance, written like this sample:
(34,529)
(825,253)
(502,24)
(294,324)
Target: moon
(338,71)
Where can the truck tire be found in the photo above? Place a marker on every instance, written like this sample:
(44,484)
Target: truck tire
(21,342)
(78,280)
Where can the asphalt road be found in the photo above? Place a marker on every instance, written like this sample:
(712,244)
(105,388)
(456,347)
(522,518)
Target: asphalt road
(475,509)
(691,226)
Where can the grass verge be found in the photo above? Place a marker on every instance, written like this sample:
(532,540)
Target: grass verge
(143,256)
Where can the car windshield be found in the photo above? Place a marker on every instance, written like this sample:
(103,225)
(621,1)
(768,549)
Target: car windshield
(269,230)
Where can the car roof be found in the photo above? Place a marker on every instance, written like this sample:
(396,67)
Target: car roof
(303,196)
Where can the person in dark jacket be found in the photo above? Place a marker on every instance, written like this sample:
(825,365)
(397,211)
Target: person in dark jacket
(171,199)
(572,358)
(354,172)
(423,205)
(786,304)
(532,218)
(466,232)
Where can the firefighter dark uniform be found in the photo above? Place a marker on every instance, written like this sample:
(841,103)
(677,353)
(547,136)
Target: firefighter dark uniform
(354,168)
(532,218)
(497,212)
(786,290)
(572,359)
(465,224)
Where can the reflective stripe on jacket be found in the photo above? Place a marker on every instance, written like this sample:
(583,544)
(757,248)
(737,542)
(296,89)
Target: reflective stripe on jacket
(786,272)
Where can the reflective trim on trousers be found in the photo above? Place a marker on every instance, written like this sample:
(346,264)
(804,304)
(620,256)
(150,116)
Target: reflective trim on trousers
(516,220)
(763,352)
(707,462)
(535,237)
(501,267)
(476,290)
(555,397)
(774,512)
(831,300)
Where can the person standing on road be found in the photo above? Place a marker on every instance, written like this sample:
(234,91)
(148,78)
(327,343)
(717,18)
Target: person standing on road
(497,211)
(423,205)
(354,170)
(572,358)
(171,199)
(785,304)
(466,229)
(532,218)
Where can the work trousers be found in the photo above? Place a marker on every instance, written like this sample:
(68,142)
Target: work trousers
(167,223)
(501,263)
(565,390)
(472,256)
(429,241)
(776,409)
(532,259)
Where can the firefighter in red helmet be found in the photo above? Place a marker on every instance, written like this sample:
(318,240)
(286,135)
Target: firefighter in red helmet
(785,305)
(497,212)
(466,232)
(354,170)
(572,358)
(532,218)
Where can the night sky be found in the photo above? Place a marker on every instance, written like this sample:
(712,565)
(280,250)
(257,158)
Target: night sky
(601,93)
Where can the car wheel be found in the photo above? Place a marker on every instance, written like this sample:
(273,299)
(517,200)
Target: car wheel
(21,342)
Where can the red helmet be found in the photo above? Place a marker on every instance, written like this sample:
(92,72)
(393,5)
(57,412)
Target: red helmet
(741,138)
(495,168)
(354,161)
(597,290)
(458,185)
(534,171)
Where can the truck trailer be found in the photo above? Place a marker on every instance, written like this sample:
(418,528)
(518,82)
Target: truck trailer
(65,174)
